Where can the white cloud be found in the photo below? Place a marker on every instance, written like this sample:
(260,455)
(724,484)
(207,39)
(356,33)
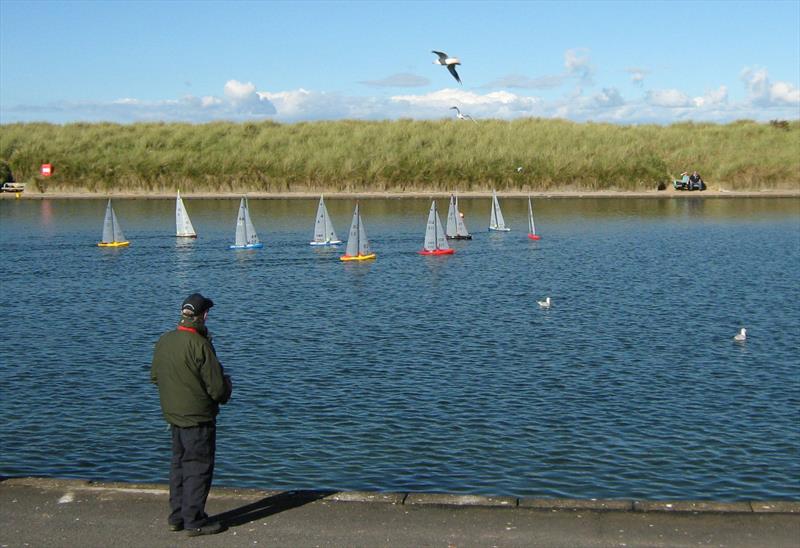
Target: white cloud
(765,93)
(783,92)
(497,104)
(712,98)
(242,98)
(609,97)
(243,101)
(578,64)
(637,75)
(210,101)
(668,98)
(238,91)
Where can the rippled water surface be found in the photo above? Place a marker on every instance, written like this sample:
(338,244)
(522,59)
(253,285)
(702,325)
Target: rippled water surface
(419,373)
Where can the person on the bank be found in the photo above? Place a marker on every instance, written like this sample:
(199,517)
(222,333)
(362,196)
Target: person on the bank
(694,177)
(191,385)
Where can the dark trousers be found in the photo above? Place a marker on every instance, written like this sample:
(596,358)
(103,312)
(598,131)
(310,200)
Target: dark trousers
(191,472)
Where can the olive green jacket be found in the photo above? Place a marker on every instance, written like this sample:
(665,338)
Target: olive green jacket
(191,381)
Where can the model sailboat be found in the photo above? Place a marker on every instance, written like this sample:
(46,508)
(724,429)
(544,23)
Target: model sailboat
(324,234)
(531,227)
(183,225)
(435,238)
(496,221)
(456,229)
(357,243)
(112,232)
(246,237)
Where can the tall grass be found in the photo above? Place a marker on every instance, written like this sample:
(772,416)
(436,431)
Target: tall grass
(400,155)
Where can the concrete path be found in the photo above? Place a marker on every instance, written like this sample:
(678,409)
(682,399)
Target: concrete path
(51,512)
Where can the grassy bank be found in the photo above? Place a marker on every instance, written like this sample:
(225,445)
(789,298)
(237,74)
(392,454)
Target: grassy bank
(404,155)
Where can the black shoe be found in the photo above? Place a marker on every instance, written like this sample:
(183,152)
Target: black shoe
(208,529)
(176,526)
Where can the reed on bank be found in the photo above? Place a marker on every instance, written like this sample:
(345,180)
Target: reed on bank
(402,155)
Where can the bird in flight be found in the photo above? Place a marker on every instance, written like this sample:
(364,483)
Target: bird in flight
(463,116)
(449,62)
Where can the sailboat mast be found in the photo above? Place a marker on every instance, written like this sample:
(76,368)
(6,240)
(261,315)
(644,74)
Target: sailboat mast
(358,231)
(435,232)
(113,225)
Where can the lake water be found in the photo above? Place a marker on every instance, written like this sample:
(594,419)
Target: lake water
(416,373)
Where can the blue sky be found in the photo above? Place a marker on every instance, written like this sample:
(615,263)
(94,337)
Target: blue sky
(624,62)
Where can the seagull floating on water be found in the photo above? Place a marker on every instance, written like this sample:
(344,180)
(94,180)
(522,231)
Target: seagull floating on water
(741,336)
(545,303)
(463,116)
(449,62)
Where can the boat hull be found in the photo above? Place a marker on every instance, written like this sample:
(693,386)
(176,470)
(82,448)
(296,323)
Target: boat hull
(498,229)
(460,237)
(437,252)
(186,235)
(534,237)
(333,242)
(113,244)
(358,257)
(248,246)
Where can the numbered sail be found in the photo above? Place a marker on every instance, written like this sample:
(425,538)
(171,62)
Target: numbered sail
(246,237)
(435,238)
(452,214)
(357,243)
(112,231)
(183,224)
(324,232)
(241,226)
(496,222)
(250,231)
(456,229)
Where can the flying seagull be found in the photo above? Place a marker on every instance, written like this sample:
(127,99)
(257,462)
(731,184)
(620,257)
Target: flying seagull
(545,303)
(449,62)
(463,116)
(741,336)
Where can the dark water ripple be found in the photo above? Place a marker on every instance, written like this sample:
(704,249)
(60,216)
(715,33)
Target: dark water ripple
(413,373)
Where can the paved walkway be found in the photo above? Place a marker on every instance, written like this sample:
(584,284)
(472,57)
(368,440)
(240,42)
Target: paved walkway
(51,512)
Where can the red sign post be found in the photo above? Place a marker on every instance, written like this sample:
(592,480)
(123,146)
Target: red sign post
(46,170)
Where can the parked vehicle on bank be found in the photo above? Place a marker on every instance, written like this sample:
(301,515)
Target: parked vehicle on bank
(12,187)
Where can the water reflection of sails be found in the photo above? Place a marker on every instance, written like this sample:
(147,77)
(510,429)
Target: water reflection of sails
(184,252)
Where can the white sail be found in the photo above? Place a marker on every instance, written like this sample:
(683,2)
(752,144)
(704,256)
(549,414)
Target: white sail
(357,243)
(455,223)
(435,237)
(452,224)
(363,243)
(118,235)
(324,232)
(183,225)
(461,227)
(108,225)
(531,226)
(112,231)
(250,231)
(496,221)
(241,227)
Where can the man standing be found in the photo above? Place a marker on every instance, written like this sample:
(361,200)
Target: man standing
(191,386)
